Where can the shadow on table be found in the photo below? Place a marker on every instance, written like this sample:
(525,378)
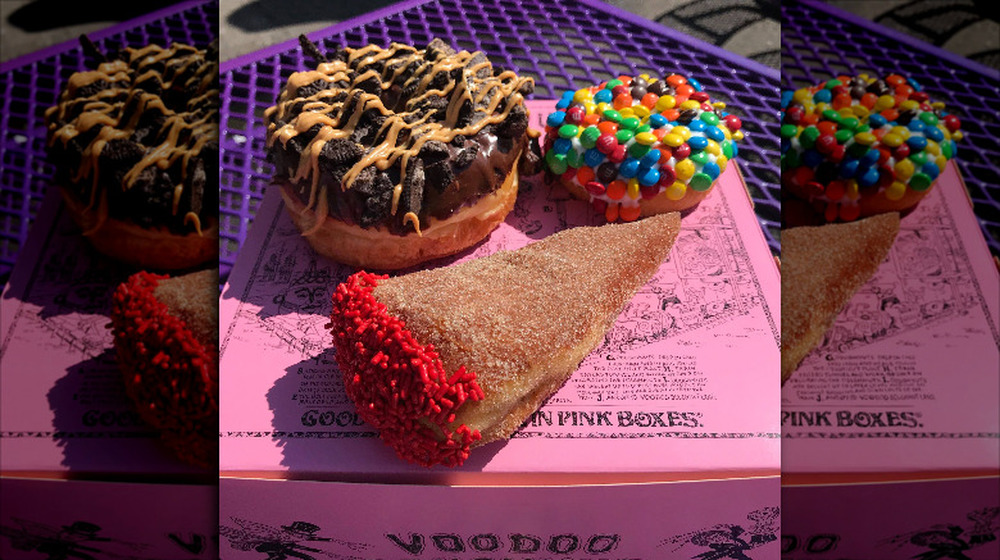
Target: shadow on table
(261,15)
(42,15)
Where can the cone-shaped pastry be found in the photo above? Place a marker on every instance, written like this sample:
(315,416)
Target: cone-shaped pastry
(821,269)
(442,360)
(166,333)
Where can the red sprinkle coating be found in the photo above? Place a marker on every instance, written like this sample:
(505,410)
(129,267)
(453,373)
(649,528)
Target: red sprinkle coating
(167,372)
(398,385)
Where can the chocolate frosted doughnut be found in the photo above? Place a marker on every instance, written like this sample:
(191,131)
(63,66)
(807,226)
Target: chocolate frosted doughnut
(136,149)
(388,157)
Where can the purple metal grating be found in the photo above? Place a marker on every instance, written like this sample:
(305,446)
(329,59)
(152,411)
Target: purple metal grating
(818,41)
(30,84)
(562,45)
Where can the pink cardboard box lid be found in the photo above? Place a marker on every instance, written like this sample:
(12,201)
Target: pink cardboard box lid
(684,385)
(46,519)
(907,379)
(704,519)
(63,407)
(926,520)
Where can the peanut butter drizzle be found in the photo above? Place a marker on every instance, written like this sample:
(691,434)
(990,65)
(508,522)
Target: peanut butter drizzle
(339,119)
(111,72)
(191,217)
(412,218)
(102,213)
(88,163)
(185,136)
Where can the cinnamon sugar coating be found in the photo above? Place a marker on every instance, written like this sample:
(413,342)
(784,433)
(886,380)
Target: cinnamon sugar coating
(822,267)
(521,321)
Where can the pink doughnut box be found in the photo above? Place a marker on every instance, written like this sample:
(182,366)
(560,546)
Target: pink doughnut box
(79,472)
(664,444)
(890,430)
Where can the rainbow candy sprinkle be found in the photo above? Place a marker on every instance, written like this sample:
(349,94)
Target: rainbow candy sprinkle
(851,137)
(633,139)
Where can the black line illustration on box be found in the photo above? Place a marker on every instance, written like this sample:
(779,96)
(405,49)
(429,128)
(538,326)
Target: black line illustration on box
(71,286)
(79,540)
(286,541)
(729,541)
(949,540)
(926,280)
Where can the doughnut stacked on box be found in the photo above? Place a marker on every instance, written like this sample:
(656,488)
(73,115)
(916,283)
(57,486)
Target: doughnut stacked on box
(860,150)
(859,146)
(135,144)
(640,146)
(446,359)
(389,157)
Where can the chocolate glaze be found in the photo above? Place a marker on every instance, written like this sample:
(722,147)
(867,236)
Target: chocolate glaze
(389,138)
(137,139)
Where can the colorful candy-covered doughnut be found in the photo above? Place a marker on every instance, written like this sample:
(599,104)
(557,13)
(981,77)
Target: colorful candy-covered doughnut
(640,146)
(858,146)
